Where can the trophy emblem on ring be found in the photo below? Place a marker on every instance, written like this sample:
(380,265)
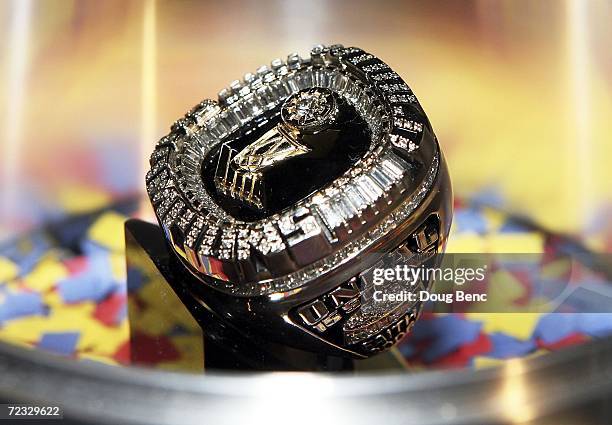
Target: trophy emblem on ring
(239,174)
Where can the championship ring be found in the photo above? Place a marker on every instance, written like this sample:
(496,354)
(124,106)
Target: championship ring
(284,194)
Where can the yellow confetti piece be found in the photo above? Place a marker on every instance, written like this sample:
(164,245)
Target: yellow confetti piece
(69,318)
(24,330)
(19,343)
(117,261)
(182,365)
(537,353)
(494,219)
(150,293)
(76,199)
(108,231)
(45,275)
(102,340)
(8,270)
(162,299)
(465,243)
(53,299)
(481,362)
(522,243)
(151,322)
(518,325)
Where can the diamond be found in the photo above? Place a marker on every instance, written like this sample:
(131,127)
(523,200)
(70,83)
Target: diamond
(393,167)
(193,234)
(185,219)
(369,188)
(402,142)
(309,225)
(361,58)
(391,75)
(409,124)
(286,225)
(375,67)
(308,107)
(381,178)
(228,239)
(355,198)
(402,98)
(347,210)
(331,217)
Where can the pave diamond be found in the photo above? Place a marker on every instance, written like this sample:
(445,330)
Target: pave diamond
(402,142)
(402,98)
(391,75)
(409,124)
(308,107)
(375,67)
(193,234)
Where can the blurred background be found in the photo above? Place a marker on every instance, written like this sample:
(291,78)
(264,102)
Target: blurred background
(519,93)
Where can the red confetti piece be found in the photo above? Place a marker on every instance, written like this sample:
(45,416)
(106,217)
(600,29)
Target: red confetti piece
(568,341)
(109,310)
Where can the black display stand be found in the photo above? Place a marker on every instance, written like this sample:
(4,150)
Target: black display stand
(160,299)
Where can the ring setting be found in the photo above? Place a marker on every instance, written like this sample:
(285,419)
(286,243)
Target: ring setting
(283,193)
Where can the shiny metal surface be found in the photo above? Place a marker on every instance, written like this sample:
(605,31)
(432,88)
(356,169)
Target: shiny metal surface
(549,389)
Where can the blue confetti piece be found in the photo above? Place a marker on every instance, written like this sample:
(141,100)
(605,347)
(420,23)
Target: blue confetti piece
(59,343)
(27,251)
(506,346)
(91,248)
(597,325)
(513,226)
(179,330)
(447,334)
(489,196)
(554,327)
(470,220)
(94,283)
(17,305)
(135,279)
(408,350)
(588,298)
(548,288)
(85,287)
(70,231)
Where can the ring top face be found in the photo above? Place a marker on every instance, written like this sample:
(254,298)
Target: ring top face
(293,172)
(316,137)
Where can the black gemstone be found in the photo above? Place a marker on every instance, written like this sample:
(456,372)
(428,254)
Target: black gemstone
(332,152)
